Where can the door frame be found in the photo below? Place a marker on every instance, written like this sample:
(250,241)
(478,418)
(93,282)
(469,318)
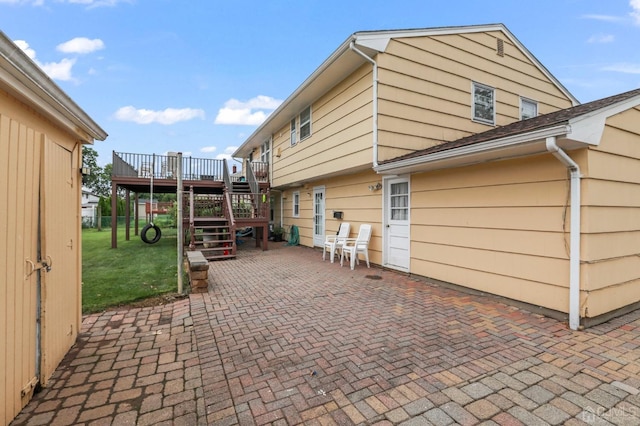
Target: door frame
(386,182)
(318,240)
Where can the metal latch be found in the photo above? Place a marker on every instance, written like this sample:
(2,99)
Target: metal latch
(31,266)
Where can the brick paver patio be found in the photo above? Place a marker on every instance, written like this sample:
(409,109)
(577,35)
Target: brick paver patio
(283,338)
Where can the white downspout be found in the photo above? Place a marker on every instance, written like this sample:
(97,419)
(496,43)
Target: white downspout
(574,248)
(353,47)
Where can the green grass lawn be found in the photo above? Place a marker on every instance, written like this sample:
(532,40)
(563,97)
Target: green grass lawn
(129,273)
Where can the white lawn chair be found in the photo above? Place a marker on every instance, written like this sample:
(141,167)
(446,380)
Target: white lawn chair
(333,243)
(354,246)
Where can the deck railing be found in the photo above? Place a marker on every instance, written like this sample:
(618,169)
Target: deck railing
(260,170)
(166,166)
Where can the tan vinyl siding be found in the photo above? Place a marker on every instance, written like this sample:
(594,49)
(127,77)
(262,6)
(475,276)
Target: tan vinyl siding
(348,194)
(611,217)
(424,99)
(340,140)
(497,227)
(425,89)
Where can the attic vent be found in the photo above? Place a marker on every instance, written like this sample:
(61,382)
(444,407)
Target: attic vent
(500,47)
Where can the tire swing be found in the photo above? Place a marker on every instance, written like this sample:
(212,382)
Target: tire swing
(156,236)
(157,233)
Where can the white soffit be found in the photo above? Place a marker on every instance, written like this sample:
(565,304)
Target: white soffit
(588,128)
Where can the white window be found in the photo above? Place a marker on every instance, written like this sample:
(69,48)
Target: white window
(296,204)
(293,131)
(484,103)
(528,108)
(264,151)
(305,123)
(399,198)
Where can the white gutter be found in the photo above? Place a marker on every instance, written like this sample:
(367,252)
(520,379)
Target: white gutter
(574,255)
(353,47)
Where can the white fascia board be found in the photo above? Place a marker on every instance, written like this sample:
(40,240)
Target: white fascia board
(275,118)
(465,154)
(27,81)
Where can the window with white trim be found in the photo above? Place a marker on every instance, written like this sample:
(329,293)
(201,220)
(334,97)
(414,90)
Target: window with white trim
(265,148)
(305,123)
(296,204)
(483,103)
(292,132)
(528,108)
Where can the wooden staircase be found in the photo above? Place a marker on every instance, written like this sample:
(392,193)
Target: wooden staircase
(214,217)
(241,187)
(214,237)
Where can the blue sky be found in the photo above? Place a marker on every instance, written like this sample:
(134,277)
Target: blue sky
(198,76)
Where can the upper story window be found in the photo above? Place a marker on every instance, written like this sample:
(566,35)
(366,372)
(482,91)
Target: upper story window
(293,131)
(484,104)
(296,204)
(528,108)
(265,148)
(305,123)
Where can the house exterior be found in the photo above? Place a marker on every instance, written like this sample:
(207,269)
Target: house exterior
(405,130)
(41,135)
(89,208)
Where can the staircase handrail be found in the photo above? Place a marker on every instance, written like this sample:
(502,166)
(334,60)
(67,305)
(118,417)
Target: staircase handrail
(251,178)
(192,227)
(225,175)
(228,212)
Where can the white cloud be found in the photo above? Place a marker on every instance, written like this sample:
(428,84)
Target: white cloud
(98,3)
(208,149)
(606,18)
(59,70)
(89,3)
(601,38)
(56,70)
(33,2)
(81,45)
(623,68)
(24,46)
(227,153)
(251,113)
(167,116)
(635,11)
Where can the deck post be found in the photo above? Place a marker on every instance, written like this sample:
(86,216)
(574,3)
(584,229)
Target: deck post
(180,224)
(114,216)
(127,215)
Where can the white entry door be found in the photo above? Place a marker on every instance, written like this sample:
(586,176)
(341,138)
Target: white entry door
(396,215)
(318,216)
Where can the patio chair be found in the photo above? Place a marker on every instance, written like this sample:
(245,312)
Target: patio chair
(333,243)
(354,246)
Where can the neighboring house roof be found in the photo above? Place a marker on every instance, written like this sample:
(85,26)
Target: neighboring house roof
(23,79)
(576,127)
(343,61)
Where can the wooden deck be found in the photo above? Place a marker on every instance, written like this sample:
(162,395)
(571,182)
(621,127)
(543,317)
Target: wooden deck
(208,178)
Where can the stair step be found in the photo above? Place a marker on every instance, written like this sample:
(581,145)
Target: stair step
(212,242)
(211,234)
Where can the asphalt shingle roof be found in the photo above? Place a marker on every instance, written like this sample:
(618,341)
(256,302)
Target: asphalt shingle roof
(524,126)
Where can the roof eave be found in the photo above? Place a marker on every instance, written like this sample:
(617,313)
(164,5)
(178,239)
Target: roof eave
(524,144)
(25,80)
